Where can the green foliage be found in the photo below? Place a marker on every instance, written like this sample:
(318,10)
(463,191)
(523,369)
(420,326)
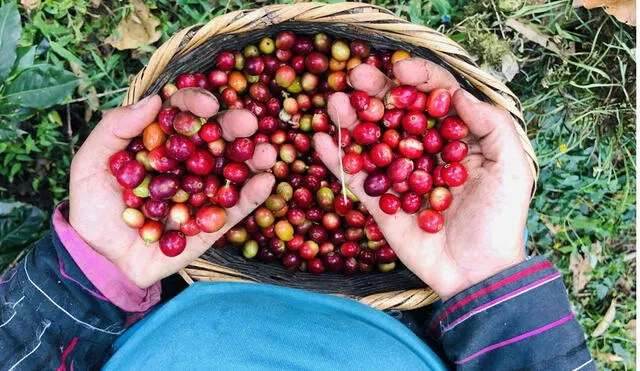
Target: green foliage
(40,86)
(9,36)
(19,226)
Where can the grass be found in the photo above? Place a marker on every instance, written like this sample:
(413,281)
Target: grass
(579,107)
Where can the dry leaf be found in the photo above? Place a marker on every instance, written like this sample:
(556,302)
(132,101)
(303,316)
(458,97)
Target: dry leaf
(509,66)
(610,357)
(29,5)
(623,10)
(96,3)
(631,329)
(136,29)
(531,33)
(606,320)
(92,94)
(581,270)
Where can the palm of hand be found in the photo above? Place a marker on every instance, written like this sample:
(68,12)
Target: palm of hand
(96,202)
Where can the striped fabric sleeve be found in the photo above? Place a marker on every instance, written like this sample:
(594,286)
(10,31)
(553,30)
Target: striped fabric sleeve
(517,319)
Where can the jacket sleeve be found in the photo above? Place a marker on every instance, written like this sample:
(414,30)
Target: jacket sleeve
(517,319)
(63,305)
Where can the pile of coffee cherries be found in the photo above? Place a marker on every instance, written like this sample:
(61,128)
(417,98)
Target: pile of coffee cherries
(396,143)
(183,173)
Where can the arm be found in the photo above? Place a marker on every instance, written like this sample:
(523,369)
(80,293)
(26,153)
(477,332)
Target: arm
(53,316)
(498,307)
(91,277)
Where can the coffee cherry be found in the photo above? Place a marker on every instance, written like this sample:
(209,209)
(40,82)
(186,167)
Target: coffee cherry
(432,141)
(385,255)
(180,147)
(366,133)
(172,243)
(426,163)
(225,61)
(210,218)
(340,51)
(321,42)
(131,200)
(439,199)
(438,102)
(186,80)
(151,231)
(118,160)
(453,128)
(391,137)
(392,119)
(352,163)
(454,151)
(411,202)
(133,217)
(163,187)
(374,111)
(381,154)
(131,174)
(419,103)
(389,203)
(414,122)
(437,176)
(420,182)
(316,63)
(315,266)
(430,221)
(377,183)
(190,227)
(227,196)
(454,174)
(400,97)
(187,123)
(179,213)
(400,169)
(155,209)
(200,162)
(410,147)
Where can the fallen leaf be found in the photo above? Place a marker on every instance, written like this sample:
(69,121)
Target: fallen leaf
(29,5)
(509,66)
(606,320)
(623,10)
(610,357)
(92,94)
(96,3)
(531,33)
(136,29)
(631,329)
(581,270)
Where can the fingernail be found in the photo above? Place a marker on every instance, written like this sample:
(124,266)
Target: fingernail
(472,98)
(141,102)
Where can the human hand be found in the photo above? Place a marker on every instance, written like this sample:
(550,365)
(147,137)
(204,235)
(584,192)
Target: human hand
(96,202)
(483,231)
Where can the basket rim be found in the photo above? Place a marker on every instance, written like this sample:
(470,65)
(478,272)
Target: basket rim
(361,17)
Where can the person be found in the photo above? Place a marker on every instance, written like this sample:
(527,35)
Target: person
(86,295)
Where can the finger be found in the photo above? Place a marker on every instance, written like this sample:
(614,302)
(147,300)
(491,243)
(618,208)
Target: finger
(328,151)
(237,123)
(370,80)
(341,111)
(424,74)
(198,101)
(264,156)
(493,126)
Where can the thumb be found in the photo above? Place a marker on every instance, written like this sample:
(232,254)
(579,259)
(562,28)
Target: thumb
(493,126)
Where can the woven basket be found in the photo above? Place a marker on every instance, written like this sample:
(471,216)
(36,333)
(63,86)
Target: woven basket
(192,50)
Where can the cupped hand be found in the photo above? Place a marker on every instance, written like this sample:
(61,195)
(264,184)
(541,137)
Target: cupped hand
(96,202)
(483,231)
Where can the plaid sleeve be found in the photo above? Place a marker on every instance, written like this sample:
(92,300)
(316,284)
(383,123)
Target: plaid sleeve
(53,316)
(517,319)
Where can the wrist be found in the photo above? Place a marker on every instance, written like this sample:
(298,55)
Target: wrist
(463,279)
